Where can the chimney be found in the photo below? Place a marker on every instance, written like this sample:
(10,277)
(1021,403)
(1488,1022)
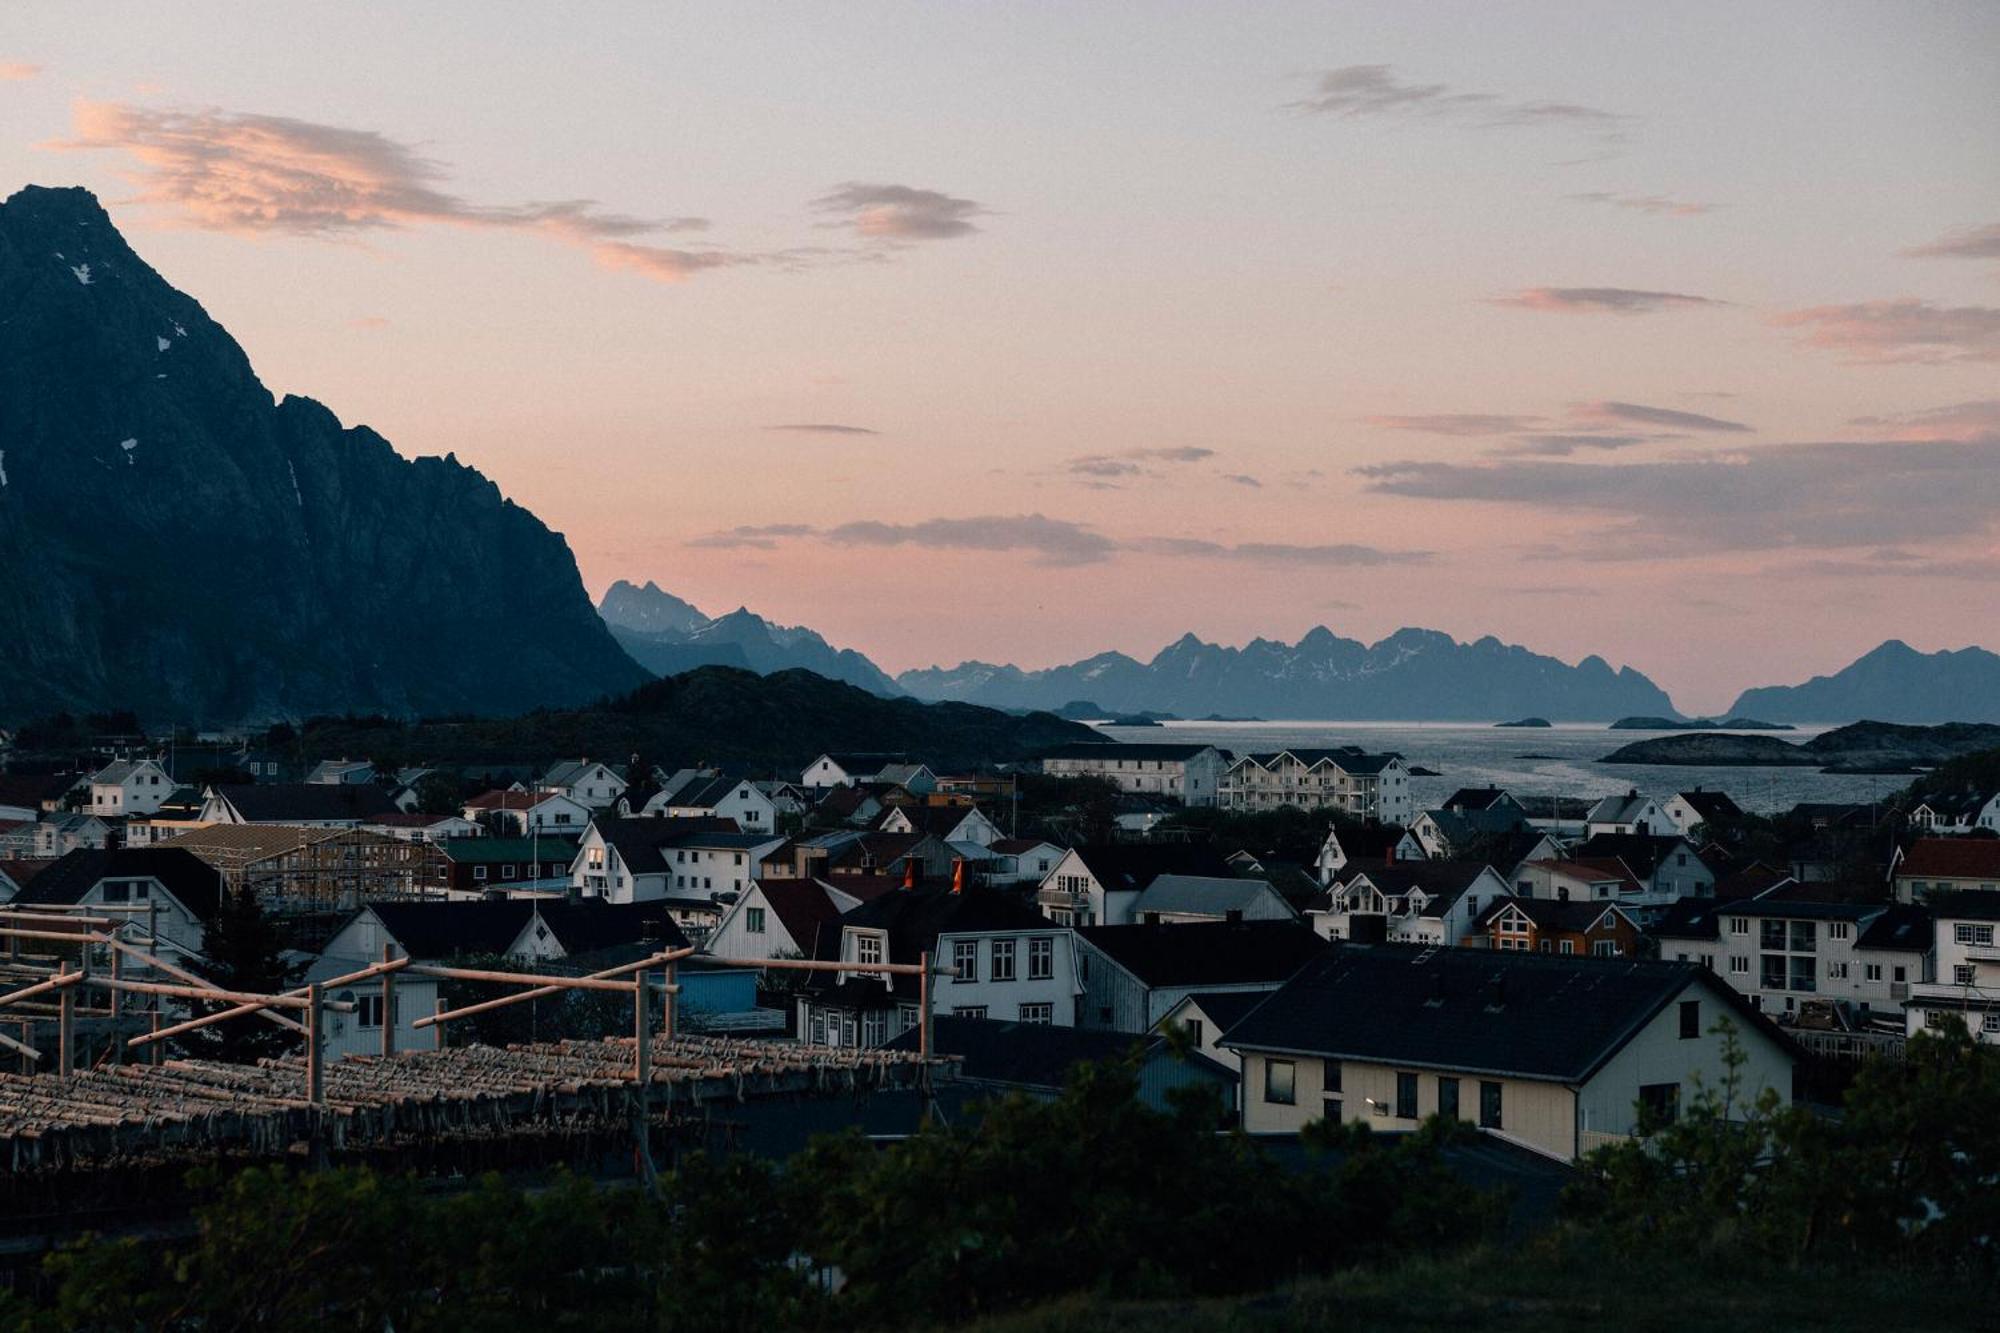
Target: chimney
(910,873)
(1234,916)
(958,875)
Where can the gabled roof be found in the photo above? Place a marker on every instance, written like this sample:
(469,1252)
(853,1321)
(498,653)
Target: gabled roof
(1711,805)
(1205,953)
(640,839)
(707,793)
(942,820)
(1951,858)
(1641,853)
(1226,1008)
(1476,798)
(1591,872)
(434,930)
(1460,826)
(591,925)
(803,907)
(1444,880)
(861,763)
(1131,866)
(397,819)
(1206,895)
(499,799)
(1347,758)
(1618,809)
(191,880)
(570,773)
(32,789)
(119,771)
(1549,914)
(1691,919)
(914,918)
(306,802)
(1525,1015)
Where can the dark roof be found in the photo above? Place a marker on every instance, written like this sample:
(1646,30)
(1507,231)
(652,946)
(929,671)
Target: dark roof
(306,802)
(914,918)
(937,819)
(1349,758)
(1967,905)
(489,851)
(1133,865)
(1690,919)
(802,907)
(856,763)
(639,838)
(1528,1015)
(1951,858)
(1033,1055)
(1901,926)
(1121,750)
(1207,953)
(592,925)
(1466,825)
(1442,879)
(451,929)
(1711,805)
(844,801)
(1475,798)
(195,883)
(1369,841)
(31,789)
(1225,1008)
(1641,852)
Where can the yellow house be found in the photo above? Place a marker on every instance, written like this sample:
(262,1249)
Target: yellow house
(1551,1052)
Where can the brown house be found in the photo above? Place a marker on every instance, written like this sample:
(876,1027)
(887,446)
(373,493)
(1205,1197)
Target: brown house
(1539,925)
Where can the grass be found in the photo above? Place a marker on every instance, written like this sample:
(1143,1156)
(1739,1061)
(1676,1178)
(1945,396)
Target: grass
(1518,1290)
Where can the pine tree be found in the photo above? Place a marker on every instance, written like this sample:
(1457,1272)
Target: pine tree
(242,952)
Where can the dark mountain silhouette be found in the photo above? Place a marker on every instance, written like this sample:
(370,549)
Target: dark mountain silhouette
(175,541)
(1413,675)
(1893,683)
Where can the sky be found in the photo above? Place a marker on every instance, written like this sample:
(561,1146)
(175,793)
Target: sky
(1021,332)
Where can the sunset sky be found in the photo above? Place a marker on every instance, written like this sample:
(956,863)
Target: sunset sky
(1021,332)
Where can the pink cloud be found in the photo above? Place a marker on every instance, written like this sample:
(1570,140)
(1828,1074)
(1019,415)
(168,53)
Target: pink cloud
(16,71)
(1646,203)
(1973,421)
(1902,331)
(1966,243)
(1601,300)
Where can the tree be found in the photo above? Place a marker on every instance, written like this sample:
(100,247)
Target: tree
(439,793)
(242,951)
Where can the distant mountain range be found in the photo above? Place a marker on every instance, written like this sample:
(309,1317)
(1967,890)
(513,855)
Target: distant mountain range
(668,636)
(175,542)
(1894,683)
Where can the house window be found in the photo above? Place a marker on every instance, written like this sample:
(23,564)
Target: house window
(1489,1105)
(753,920)
(1836,930)
(1989,1022)
(1448,1098)
(868,949)
(1569,946)
(1690,1019)
(1330,1087)
(1043,1013)
(1041,958)
(1003,960)
(1604,948)
(1739,925)
(1805,936)
(368,1011)
(1281,1082)
(507,870)
(1836,971)
(965,960)
(1970,934)
(1739,966)
(1772,934)
(1803,977)
(1963,974)
(479,872)
(1406,1096)
(1872,971)
(1771,971)
(1659,1103)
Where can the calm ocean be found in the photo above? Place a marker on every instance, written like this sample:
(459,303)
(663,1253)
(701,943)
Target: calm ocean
(1528,761)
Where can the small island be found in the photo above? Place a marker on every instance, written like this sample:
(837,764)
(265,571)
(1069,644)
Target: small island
(1880,747)
(1527,722)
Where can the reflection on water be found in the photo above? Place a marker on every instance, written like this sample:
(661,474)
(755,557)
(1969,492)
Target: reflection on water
(1566,762)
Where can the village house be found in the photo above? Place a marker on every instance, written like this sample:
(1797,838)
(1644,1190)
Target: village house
(521,813)
(1555,1054)
(477,865)
(1793,946)
(1946,865)
(947,823)
(296,804)
(1172,899)
(1133,976)
(1364,844)
(1203,1017)
(59,835)
(1456,835)
(1957,812)
(1021,860)
(169,896)
(846,768)
(421,827)
(1347,780)
(593,786)
(1100,884)
(179,813)
(128,787)
(1690,810)
(1189,774)
(1535,925)
(1667,867)
(1630,813)
(1965,987)
(342,772)
(782,918)
(1566,881)
(1412,902)
(29,796)
(714,796)
(999,959)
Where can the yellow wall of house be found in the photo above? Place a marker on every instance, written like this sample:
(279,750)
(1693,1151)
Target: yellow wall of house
(1542,1114)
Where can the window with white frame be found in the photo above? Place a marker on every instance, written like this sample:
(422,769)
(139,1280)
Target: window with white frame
(1964,974)
(1967,933)
(1837,930)
(1871,971)
(1041,958)
(1739,925)
(1043,1013)
(969,1011)
(1003,960)
(868,948)
(1739,965)
(753,920)
(965,960)
(1281,1082)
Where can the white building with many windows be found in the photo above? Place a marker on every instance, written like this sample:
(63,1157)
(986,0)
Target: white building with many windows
(1966,985)
(1348,780)
(1190,774)
(1781,952)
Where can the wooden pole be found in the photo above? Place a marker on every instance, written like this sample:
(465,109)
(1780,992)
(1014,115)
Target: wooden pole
(156,1052)
(66,1023)
(444,1015)
(117,1006)
(388,1004)
(437,1028)
(924,1007)
(193,979)
(261,1007)
(520,978)
(671,1002)
(315,1049)
(642,1033)
(29,1055)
